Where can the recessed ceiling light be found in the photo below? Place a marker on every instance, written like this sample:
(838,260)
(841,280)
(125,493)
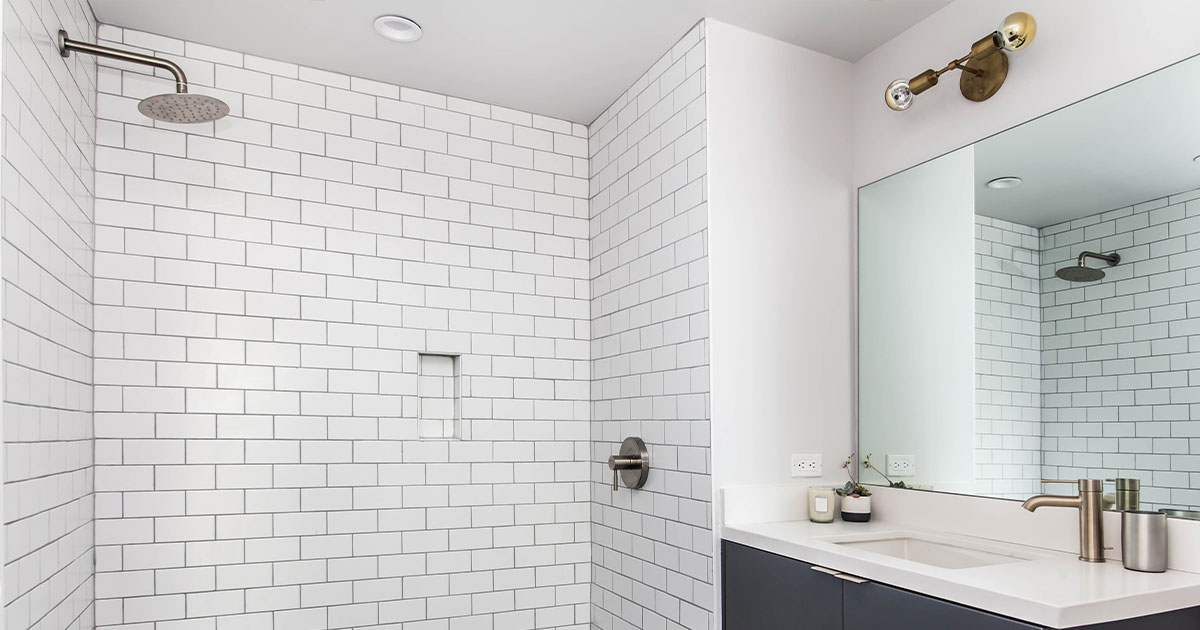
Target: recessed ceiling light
(1004,182)
(397,28)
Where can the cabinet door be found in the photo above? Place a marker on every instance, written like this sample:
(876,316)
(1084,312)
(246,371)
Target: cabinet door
(763,591)
(871,606)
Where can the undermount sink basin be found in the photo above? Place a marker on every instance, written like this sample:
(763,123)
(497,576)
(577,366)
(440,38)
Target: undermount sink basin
(930,552)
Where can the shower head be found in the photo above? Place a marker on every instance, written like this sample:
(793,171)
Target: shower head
(183,108)
(1075,273)
(1079,272)
(179,107)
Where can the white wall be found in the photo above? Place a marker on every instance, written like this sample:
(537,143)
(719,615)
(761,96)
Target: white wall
(650,366)
(264,285)
(1082,47)
(780,256)
(916,365)
(49,130)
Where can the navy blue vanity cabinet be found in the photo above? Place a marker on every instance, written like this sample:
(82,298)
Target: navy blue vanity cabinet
(870,605)
(763,591)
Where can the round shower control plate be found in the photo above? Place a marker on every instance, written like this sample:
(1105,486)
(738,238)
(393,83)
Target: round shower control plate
(635,477)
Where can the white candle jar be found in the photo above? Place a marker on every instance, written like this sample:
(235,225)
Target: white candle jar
(821,503)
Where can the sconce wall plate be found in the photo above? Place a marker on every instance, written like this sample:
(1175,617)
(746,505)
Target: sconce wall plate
(980,87)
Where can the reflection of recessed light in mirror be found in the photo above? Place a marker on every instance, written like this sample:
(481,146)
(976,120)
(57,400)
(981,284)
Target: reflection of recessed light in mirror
(397,28)
(1004,182)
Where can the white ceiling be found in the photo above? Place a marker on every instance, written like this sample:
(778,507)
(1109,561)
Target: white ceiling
(563,58)
(1131,144)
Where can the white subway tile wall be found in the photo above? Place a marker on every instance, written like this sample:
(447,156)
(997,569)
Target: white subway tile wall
(48,196)
(1008,362)
(652,549)
(1121,390)
(264,287)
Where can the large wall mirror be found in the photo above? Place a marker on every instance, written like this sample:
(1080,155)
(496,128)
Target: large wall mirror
(1029,306)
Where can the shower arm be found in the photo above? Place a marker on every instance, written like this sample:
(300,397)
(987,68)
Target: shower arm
(66,45)
(1111,259)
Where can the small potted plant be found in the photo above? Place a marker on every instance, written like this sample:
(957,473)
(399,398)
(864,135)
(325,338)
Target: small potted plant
(891,484)
(856,498)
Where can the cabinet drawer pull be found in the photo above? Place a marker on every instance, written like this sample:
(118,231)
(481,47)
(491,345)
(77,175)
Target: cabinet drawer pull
(838,574)
(851,578)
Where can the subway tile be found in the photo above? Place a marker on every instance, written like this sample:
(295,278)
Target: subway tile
(281,286)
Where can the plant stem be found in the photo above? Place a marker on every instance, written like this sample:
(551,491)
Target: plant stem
(868,464)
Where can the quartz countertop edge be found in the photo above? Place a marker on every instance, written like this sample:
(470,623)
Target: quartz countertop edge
(1053,589)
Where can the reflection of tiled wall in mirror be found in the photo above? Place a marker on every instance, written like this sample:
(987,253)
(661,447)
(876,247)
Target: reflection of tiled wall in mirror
(1121,356)
(1116,361)
(1007,359)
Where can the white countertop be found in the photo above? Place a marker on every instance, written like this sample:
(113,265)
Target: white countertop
(1052,588)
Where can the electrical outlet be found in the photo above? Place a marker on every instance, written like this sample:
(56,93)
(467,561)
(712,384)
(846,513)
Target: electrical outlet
(901,465)
(806,465)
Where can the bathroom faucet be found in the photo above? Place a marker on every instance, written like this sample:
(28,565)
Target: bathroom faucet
(1090,504)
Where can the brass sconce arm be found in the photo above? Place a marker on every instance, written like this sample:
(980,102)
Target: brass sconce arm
(984,68)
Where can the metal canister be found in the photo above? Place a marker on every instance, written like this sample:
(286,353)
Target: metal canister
(1129,492)
(1144,541)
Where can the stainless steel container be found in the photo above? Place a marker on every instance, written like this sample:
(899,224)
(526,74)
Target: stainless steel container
(1128,493)
(1144,541)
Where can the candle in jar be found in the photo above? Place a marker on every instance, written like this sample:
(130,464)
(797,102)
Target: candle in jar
(821,501)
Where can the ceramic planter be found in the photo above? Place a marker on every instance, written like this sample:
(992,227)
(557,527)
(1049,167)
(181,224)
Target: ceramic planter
(856,509)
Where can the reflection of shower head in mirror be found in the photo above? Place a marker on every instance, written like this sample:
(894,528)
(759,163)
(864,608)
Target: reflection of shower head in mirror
(1079,272)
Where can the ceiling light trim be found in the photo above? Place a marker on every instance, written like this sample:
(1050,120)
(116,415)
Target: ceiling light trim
(1006,182)
(398,28)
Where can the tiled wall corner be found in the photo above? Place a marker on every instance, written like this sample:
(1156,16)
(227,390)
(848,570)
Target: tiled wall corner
(652,548)
(1008,369)
(264,286)
(47,189)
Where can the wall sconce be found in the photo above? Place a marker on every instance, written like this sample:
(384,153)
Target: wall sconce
(983,69)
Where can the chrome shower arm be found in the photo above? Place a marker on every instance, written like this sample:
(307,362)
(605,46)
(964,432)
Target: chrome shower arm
(1111,259)
(66,45)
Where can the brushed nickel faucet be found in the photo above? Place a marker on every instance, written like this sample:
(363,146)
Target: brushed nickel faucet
(1090,503)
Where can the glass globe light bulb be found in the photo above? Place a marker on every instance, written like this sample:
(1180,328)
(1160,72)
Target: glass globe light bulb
(898,95)
(1017,31)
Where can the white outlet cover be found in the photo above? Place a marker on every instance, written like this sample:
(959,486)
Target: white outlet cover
(807,465)
(901,465)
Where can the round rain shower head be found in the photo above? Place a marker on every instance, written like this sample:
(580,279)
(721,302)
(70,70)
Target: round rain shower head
(1078,273)
(180,107)
(183,108)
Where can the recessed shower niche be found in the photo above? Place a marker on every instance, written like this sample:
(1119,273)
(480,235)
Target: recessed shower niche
(438,411)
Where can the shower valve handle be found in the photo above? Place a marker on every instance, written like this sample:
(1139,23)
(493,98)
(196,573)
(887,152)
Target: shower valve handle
(618,464)
(631,464)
